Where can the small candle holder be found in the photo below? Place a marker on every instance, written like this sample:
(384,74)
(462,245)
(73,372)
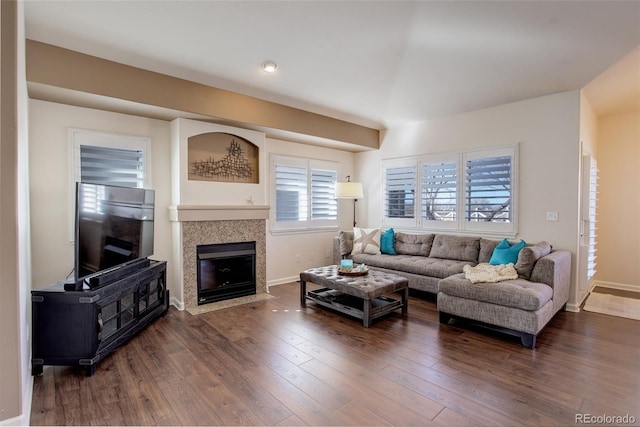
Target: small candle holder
(346,264)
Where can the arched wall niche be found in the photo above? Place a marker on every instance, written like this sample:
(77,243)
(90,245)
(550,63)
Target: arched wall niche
(222,157)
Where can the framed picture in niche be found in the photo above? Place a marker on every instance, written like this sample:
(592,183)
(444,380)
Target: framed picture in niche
(222,157)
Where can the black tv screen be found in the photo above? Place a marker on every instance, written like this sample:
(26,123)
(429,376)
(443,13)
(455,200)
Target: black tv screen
(114,225)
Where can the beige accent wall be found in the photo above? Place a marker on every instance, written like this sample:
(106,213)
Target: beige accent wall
(15,380)
(62,68)
(618,247)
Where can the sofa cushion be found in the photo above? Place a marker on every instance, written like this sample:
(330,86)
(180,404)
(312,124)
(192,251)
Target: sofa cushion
(460,248)
(486,249)
(388,242)
(413,244)
(366,240)
(528,257)
(506,253)
(518,293)
(426,266)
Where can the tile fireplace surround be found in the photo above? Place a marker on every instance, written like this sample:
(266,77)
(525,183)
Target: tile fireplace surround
(204,225)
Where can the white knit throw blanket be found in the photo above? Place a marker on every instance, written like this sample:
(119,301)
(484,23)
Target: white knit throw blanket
(488,273)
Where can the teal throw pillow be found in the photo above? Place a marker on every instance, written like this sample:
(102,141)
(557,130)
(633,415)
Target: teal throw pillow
(388,242)
(506,253)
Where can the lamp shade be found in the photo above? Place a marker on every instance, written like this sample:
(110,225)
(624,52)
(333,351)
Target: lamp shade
(349,190)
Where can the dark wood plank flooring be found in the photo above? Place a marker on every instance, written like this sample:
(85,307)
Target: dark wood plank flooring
(277,363)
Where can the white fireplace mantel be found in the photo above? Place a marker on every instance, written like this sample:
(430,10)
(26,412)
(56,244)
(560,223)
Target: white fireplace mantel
(182,213)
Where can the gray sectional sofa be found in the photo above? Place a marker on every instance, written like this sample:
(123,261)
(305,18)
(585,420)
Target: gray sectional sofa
(434,263)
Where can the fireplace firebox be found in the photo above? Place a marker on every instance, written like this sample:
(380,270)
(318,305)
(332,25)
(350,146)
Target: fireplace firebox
(225,271)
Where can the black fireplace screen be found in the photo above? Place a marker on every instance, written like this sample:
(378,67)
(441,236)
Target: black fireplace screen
(226,271)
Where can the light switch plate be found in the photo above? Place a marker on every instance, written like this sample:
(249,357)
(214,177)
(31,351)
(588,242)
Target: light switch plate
(552,216)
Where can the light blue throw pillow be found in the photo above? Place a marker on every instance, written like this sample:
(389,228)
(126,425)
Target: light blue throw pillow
(388,242)
(506,253)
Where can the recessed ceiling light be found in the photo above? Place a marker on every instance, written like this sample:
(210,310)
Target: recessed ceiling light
(269,66)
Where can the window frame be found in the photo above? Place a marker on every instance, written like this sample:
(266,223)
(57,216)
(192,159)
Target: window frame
(309,224)
(460,225)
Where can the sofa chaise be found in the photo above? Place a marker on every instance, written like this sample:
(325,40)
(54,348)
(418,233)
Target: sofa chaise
(435,263)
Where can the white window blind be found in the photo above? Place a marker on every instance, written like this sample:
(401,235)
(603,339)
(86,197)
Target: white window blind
(104,165)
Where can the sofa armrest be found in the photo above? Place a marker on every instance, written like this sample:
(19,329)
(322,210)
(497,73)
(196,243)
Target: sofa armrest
(342,246)
(336,251)
(555,270)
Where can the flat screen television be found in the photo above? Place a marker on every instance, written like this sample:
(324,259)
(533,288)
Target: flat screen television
(113,227)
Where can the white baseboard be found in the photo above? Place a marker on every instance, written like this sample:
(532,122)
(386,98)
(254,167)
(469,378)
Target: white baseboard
(282,281)
(618,286)
(176,303)
(575,308)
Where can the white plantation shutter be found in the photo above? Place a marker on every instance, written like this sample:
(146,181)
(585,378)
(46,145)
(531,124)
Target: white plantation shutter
(291,193)
(464,191)
(489,193)
(591,223)
(304,193)
(488,190)
(324,205)
(400,181)
(439,191)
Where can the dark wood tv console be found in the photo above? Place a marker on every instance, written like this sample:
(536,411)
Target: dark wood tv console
(82,327)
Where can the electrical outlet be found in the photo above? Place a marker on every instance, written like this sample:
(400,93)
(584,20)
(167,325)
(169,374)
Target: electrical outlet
(552,216)
(297,257)
(327,254)
(312,256)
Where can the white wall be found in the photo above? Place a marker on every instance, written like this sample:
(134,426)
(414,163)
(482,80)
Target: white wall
(618,262)
(547,129)
(51,190)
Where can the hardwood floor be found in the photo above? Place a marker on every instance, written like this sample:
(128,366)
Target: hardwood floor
(277,363)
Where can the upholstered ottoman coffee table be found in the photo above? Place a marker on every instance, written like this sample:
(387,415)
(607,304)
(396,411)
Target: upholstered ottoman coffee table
(362,297)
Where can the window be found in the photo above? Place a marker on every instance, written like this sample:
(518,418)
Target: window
(107,158)
(489,190)
(304,194)
(400,191)
(467,191)
(439,191)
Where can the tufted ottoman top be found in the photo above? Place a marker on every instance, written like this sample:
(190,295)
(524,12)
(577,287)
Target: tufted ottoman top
(369,286)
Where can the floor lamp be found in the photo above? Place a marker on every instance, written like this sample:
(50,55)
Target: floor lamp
(350,190)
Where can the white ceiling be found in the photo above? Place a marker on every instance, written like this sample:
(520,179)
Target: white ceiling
(374,63)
